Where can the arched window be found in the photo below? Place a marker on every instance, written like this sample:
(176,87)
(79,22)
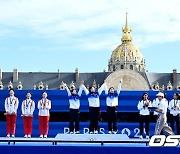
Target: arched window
(122,66)
(114,67)
(139,68)
(131,67)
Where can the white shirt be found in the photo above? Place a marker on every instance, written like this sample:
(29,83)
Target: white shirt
(112,100)
(163,105)
(74,102)
(93,98)
(172,105)
(11,104)
(143,110)
(44,105)
(28,107)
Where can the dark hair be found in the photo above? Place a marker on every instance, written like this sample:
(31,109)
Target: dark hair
(28,92)
(91,87)
(11,89)
(44,92)
(72,90)
(145,93)
(178,96)
(110,88)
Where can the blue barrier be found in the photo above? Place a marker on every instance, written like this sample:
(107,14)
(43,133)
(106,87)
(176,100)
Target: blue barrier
(127,103)
(127,100)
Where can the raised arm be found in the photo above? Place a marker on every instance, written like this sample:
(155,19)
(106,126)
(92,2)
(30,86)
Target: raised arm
(119,87)
(82,87)
(67,89)
(101,88)
(105,88)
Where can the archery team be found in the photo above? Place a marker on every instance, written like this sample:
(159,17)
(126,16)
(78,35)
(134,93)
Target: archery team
(159,106)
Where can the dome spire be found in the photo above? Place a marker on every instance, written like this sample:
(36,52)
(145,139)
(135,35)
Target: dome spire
(126,38)
(126,20)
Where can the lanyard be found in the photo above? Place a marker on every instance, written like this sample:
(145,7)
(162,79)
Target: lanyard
(11,101)
(175,103)
(27,103)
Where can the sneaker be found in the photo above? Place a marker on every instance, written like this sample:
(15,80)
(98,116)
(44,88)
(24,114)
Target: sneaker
(29,136)
(114,132)
(12,136)
(77,132)
(147,136)
(25,136)
(91,133)
(109,132)
(95,132)
(41,136)
(45,136)
(71,133)
(140,137)
(8,135)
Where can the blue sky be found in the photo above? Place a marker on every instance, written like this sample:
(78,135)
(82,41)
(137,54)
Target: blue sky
(47,35)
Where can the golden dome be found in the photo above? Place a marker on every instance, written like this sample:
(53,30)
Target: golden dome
(127,52)
(126,55)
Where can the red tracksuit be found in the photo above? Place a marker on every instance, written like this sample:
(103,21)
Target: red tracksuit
(27,108)
(11,106)
(44,105)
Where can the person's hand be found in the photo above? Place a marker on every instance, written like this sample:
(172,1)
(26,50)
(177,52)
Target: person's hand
(82,82)
(177,108)
(13,113)
(65,85)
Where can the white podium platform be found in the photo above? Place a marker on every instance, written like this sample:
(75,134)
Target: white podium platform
(91,137)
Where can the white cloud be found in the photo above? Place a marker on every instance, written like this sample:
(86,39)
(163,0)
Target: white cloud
(152,21)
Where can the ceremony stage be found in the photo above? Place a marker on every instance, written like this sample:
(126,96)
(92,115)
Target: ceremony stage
(81,144)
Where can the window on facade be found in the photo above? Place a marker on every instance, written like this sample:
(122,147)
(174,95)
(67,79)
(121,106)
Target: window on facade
(131,67)
(122,66)
(114,67)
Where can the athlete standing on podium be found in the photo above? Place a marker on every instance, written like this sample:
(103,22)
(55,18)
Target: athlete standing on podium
(74,104)
(11,106)
(94,107)
(112,104)
(27,108)
(144,114)
(44,105)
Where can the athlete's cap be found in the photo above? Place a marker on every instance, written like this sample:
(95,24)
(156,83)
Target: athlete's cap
(160,94)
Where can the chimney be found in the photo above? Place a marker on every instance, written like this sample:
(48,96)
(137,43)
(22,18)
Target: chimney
(15,75)
(174,78)
(77,74)
(58,73)
(0,74)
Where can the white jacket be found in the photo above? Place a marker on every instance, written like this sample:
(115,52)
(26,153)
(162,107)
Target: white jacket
(93,98)
(11,104)
(143,109)
(112,100)
(28,107)
(172,107)
(44,105)
(74,102)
